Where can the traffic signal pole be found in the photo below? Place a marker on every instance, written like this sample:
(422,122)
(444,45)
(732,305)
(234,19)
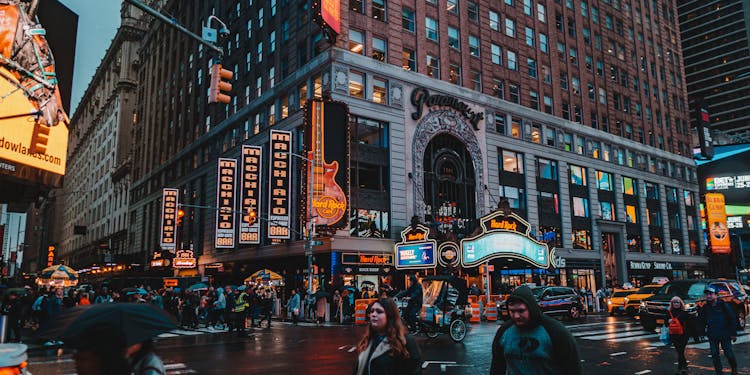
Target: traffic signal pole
(173,22)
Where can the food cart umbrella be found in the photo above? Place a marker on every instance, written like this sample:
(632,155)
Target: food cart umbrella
(264,275)
(135,322)
(58,274)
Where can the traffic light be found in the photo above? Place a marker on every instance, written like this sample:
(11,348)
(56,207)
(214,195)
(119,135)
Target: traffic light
(180,215)
(39,138)
(250,217)
(219,91)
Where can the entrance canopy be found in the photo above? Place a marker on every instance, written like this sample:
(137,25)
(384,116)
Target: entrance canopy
(505,236)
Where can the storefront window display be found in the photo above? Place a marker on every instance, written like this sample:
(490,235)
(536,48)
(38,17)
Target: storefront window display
(369,223)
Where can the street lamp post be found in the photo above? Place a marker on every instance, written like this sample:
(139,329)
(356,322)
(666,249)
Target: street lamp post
(310,221)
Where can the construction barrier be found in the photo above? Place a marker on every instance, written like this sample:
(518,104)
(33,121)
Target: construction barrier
(472,299)
(491,313)
(475,313)
(360,310)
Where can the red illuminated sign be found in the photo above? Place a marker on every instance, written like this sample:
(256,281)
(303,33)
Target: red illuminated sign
(330,10)
(225,193)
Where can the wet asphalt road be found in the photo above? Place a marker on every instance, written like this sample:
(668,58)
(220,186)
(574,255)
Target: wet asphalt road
(608,346)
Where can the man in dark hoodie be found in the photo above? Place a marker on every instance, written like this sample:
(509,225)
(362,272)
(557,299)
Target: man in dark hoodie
(532,343)
(720,323)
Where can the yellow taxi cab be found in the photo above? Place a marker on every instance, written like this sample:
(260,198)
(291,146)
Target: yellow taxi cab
(616,302)
(633,300)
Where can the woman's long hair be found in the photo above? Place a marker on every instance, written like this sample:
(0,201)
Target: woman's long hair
(677,298)
(394,329)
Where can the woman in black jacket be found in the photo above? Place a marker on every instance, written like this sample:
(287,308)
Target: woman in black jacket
(679,321)
(386,349)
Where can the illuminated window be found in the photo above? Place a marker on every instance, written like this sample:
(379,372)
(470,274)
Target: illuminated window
(454,74)
(452,6)
(379,91)
(547,169)
(608,210)
(603,181)
(473,46)
(580,207)
(379,49)
(433,66)
(356,42)
(302,95)
(512,161)
(515,127)
(378,9)
(356,84)
(408,59)
(631,213)
(577,175)
(629,186)
(516,196)
(453,36)
(581,239)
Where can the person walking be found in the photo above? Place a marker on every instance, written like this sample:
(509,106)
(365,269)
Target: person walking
(241,305)
(12,309)
(267,307)
(292,306)
(679,323)
(532,343)
(414,294)
(229,310)
(103,296)
(219,305)
(720,324)
(386,347)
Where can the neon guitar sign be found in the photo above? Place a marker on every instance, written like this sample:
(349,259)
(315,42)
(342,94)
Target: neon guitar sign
(328,198)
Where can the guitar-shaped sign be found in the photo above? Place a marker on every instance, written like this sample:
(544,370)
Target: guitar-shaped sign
(328,198)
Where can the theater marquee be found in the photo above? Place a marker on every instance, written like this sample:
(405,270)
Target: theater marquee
(225,203)
(279,207)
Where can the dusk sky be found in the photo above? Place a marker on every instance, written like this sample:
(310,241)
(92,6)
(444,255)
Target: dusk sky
(98,21)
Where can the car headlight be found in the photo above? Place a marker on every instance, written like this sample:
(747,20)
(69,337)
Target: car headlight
(643,305)
(609,302)
(625,300)
(689,306)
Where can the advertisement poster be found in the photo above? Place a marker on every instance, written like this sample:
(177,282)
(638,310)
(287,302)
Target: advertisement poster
(716,217)
(250,189)
(279,186)
(225,203)
(169,203)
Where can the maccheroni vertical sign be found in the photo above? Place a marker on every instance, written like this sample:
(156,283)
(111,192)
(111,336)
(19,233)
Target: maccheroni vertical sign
(279,216)
(505,236)
(415,250)
(251,163)
(225,201)
(169,204)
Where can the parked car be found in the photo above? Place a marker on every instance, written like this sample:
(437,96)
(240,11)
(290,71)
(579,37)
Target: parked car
(634,298)
(616,302)
(553,301)
(653,310)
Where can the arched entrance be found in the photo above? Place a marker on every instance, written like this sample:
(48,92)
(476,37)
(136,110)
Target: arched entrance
(453,146)
(449,185)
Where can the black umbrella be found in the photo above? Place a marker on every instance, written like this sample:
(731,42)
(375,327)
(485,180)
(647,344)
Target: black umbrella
(133,322)
(321,294)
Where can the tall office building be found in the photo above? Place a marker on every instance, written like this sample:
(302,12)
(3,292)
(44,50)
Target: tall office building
(716,48)
(575,112)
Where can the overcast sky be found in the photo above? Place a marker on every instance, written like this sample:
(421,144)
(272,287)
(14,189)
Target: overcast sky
(98,21)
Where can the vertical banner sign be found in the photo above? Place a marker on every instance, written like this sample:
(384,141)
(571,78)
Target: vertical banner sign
(169,204)
(279,172)
(251,162)
(330,14)
(225,202)
(704,131)
(328,173)
(716,222)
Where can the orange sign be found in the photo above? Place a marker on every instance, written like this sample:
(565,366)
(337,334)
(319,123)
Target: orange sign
(417,236)
(50,255)
(330,10)
(716,221)
(503,224)
(170,283)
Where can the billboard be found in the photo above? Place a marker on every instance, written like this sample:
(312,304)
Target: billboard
(226,174)
(328,14)
(279,186)
(416,250)
(169,204)
(704,131)
(327,174)
(250,190)
(716,218)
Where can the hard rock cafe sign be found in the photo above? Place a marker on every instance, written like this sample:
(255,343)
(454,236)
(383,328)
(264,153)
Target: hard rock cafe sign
(420,98)
(415,250)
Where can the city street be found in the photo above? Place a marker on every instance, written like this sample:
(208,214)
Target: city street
(608,346)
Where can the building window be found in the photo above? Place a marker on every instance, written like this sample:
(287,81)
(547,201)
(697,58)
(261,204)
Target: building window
(433,66)
(515,196)
(530,37)
(452,6)
(378,9)
(631,214)
(510,27)
(407,19)
(604,181)
(453,36)
(356,41)
(408,60)
(515,127)
(548,105)
(533,100)
(494,21)
(543,46)
(431,28)
(379,49)
(532,67)
(629,186)
(473,11)
(577,175)
(580,207)
(541,12)
(357,84)
(379,91)
(497,54)
(370,132)
(473,46)
(549,137)
(500,119)
(547,169)
(536,133)
(515,93)
(512,60)
(652,191)
(476,80)
(608,210)
(549,205)
(581,239)
(512,161)
(356,6)
(689,198)
(454,74)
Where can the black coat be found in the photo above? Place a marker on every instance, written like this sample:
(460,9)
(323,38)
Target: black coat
(382,363)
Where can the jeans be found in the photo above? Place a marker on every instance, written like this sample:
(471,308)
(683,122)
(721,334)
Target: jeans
(726,344)
(680,341)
